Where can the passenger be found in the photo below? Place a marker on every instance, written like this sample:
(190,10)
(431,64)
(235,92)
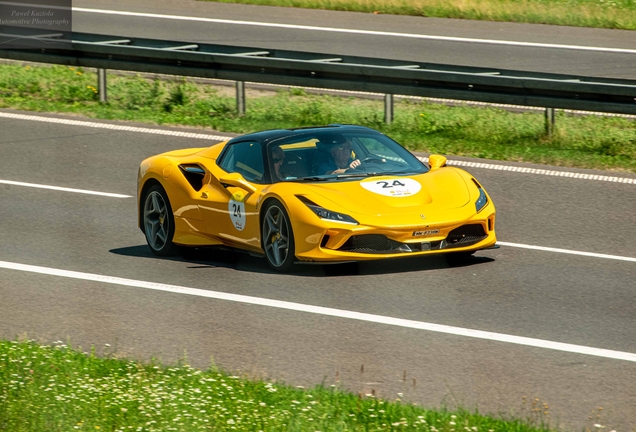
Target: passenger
(340,158)
(278,159)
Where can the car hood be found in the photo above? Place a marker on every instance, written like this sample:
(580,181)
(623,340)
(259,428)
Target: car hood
(434,192)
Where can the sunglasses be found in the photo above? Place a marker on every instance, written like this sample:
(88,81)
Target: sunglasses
(276,160)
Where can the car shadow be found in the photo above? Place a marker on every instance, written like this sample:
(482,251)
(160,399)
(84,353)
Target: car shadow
(207,258)
(400,265)
(202,258)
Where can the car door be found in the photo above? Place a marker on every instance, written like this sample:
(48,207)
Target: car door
(230,212)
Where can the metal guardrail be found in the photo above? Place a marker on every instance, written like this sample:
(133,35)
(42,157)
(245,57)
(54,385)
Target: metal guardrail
(303,69)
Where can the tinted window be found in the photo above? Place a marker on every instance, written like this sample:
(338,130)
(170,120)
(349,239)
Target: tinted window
(329,154)
(245,158)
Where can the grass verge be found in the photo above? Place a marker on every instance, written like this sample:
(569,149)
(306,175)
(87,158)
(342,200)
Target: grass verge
(57,388)
(579,141)
(613,14)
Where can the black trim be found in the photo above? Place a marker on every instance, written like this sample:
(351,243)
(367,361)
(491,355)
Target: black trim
(462,236)
(194,174)
(466,235)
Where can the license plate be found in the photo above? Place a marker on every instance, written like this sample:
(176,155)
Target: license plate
(425,233)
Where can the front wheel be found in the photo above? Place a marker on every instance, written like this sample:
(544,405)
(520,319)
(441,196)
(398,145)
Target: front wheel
(278,237)
(158,222)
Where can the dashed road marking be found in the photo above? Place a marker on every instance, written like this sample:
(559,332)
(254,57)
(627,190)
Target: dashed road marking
(538,171)
(219,138)
(116,127)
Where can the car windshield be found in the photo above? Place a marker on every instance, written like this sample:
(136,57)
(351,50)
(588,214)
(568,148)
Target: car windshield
(331,156)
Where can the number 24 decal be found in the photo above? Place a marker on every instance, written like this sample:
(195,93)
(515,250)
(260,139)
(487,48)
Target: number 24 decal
(237,210)
(386,185)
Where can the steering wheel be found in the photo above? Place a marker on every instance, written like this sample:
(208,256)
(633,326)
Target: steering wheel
(368,159)
(373,159)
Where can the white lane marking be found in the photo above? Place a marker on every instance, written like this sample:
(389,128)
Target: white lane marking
(64,189)
(319,310)
(113,126)
(567,251)
(225,138)
(538,171)
(362,32)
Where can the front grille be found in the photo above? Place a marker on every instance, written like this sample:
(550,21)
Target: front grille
(372,243)
(466,235)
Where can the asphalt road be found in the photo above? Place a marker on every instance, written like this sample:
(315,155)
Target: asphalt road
(473,50)
(559,297)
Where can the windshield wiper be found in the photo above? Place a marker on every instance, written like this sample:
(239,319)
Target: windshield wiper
(375,173)
(361,174)
(399,173)
(310,178)
(348,175)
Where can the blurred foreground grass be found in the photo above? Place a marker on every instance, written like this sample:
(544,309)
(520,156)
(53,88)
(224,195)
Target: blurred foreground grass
(56,388)
(579,141)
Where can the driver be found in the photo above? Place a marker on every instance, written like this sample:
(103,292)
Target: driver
(340,158)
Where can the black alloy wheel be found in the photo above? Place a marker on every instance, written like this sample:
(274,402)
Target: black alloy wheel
(158,221)
(277,237)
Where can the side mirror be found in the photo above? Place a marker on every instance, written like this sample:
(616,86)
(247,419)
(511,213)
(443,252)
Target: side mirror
(237,180)
(436,161)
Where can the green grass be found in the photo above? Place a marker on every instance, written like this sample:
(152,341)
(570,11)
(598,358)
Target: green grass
(579,141)
(614,14)
(57,388)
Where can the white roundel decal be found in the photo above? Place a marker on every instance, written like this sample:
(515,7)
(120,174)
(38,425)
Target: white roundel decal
(393,187)
(237,214)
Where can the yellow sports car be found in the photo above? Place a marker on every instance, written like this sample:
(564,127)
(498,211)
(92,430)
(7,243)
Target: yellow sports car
(334,193)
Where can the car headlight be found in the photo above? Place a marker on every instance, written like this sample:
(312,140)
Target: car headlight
(333,216)
(481,201)
(327,215)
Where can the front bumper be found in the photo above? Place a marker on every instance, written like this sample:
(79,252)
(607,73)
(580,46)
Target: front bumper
(336,242)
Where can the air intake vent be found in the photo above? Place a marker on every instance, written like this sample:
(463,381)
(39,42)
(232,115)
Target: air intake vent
(373,243)
(194,175)
(466,235)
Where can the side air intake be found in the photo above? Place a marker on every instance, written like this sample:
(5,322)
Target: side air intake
(194,175)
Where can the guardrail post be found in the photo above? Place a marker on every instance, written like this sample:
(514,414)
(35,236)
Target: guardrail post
(549,121)
(240,97)
(388,108)
(101,85)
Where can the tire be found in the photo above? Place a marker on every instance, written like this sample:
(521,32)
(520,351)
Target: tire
(158,221)
(277,237)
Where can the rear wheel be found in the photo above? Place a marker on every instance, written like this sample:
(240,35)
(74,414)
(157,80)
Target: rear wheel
(158,222)
(278,238)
